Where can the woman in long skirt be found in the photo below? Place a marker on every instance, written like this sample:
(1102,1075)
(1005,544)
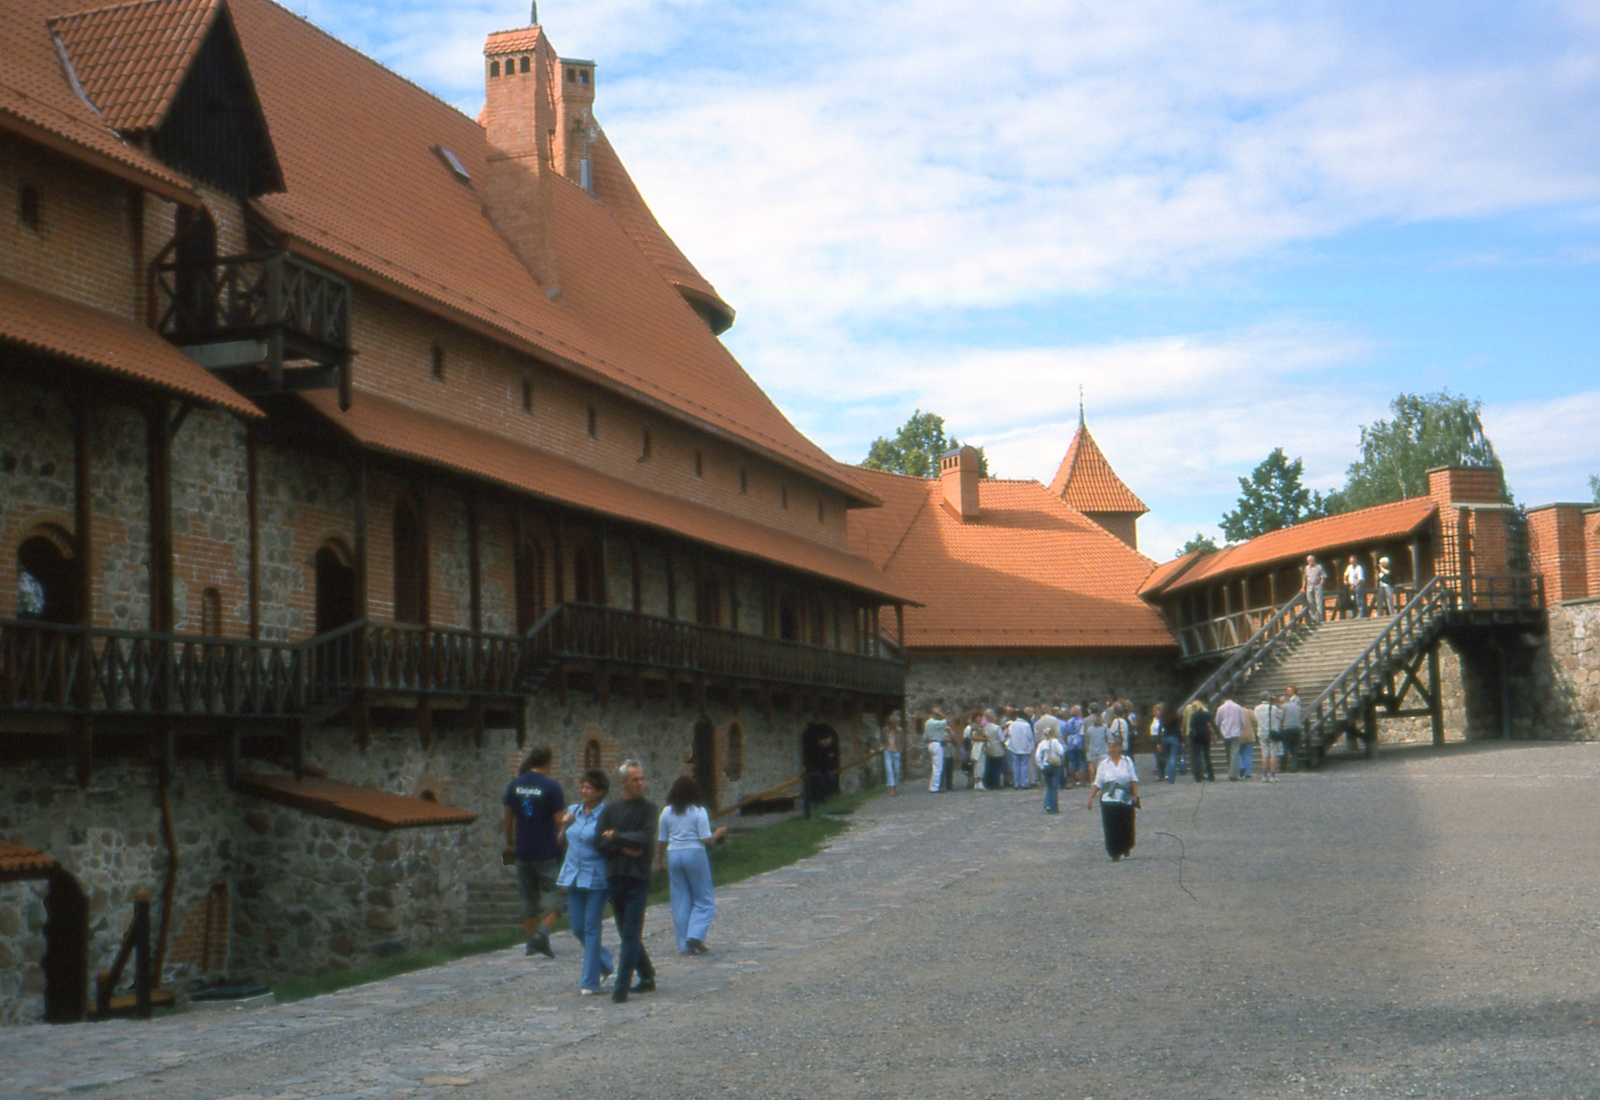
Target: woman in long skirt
(682,838)
(1117,785)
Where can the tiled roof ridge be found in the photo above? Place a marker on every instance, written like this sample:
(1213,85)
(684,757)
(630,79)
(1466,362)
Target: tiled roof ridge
(1084,455)
(86,12)
(578,357)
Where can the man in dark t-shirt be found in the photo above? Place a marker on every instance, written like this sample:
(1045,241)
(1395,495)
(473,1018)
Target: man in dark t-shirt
(534,804)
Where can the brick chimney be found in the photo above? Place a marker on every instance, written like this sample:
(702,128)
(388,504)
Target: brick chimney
(574,119)
(520,117)
(958,473)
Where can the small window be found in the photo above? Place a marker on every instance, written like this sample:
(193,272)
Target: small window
(594,424)
(527,396)
(494,68)
(30,208)
(644,445)
(744,481)
(699,464)
(822,516)
(438,363)
(524,64)
(511,66)
(783,496)
(591,754)
(572,76)
(583,76)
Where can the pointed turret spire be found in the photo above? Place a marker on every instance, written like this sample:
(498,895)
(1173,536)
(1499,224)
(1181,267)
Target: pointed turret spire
(1086,481)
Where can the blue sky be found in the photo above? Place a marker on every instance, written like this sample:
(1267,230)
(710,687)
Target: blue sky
(1238,225)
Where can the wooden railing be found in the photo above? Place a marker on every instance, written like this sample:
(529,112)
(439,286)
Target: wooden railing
(1249,656)
(577,631)
(254,295)
(52,668)
(1224,632)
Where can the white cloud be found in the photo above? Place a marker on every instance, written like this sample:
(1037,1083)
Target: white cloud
(1550,448)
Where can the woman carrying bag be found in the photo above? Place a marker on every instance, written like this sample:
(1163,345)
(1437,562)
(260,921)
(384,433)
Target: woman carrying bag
(1117,784)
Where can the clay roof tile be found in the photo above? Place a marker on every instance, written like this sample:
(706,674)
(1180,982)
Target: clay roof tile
(358,805)
(132,58)
(17,861)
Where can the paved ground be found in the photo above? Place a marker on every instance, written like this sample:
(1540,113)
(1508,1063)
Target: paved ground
(1421,925)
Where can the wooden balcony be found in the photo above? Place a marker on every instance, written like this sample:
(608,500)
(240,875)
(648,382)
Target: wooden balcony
(612,636)
(50,669)
(266,322)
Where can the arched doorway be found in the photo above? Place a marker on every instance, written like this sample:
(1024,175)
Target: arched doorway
(704,760)
(195,284)
(66,950)
(336,587)
(409,589)
(819,756)
(48,557)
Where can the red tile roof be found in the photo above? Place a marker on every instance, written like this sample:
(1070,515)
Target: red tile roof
(616,191)
(1030,573)
(17,861)
(388,426)
(1086,481)
(366,194)
(1168,571)
(38,102)
(357,805)
(515,40)
(131,58)
(1322,537)
(44,323)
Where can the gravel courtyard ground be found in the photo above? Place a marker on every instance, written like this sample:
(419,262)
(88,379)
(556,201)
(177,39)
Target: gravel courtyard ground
(1426,924)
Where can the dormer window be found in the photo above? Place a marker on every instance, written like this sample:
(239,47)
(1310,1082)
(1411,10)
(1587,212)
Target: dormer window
(448,158)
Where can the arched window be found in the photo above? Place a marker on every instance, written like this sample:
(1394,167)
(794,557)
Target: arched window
(211,613)
(704,760)
(409,564)
(336,587)
(591,754)
(50,590)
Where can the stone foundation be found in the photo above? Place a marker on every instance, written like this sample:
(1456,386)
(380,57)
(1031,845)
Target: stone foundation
(289,893)
(961,682)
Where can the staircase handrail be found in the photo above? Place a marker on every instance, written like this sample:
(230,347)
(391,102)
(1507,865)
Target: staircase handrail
(1248,657)
(1428,606)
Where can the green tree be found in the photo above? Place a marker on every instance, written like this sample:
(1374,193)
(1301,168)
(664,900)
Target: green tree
(1436,429)
(1272,498)
(917,447)
(1203,543)
(1594,486)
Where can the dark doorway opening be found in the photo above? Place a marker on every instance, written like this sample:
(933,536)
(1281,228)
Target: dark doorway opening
(66,950)
(336,589)
(788,619)
(195,278)
(409,590)
(819,757)
(530,587)
(704,761)
(56,570)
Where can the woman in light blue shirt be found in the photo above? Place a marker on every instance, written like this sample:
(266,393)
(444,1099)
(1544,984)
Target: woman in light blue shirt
(681,842)
(583,875)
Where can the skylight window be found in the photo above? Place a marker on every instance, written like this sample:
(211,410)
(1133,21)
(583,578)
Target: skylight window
(452,162)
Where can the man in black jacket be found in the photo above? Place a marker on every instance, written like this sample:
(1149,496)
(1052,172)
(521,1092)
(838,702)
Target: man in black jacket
(627,831)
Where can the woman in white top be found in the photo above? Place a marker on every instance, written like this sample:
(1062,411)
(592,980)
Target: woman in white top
(682,838)
(1117,784)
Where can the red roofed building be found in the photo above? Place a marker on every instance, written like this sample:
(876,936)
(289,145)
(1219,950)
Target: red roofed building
(342,433)
(1020,598)
(1086,482)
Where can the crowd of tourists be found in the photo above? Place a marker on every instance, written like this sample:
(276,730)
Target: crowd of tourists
(1061,747)
(596,853)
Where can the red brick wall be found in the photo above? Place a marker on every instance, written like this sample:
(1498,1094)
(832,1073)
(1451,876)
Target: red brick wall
(1591,538)
(1557,549)
(1464,485)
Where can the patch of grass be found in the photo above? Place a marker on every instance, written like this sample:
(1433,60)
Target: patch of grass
(748,854)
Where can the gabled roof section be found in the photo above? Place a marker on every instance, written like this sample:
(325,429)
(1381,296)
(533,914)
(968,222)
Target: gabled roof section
(1165,574)
(1330,535)
(366,196)
(92,338)
(617,193)
(132,58)
(1029,573)
(38,102)
(1086,481)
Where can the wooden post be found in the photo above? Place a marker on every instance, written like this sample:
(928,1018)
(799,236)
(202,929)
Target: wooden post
(733,597)
(900,627)
(141,954)
(252,466)
(604,566)
(158,467)
(638,581)
(83,522)
(1369,730)
(1435,697)
(1272,588)
(520,593)
(363,670)
(1416,562)
(672,581)
(559,591)
(474,568)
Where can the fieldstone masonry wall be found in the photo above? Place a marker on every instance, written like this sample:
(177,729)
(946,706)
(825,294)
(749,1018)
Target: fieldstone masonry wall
(1560,685)
(961,682)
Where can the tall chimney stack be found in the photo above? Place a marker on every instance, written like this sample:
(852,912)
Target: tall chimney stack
(520,115)
(574,119)
(958,473)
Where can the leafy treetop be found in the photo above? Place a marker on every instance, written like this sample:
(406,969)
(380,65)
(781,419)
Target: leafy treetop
(1437,429)
(917,447)
(1272,498)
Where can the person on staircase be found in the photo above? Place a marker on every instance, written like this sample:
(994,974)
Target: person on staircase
(1355,583)
(1387,603)
(1316,586)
